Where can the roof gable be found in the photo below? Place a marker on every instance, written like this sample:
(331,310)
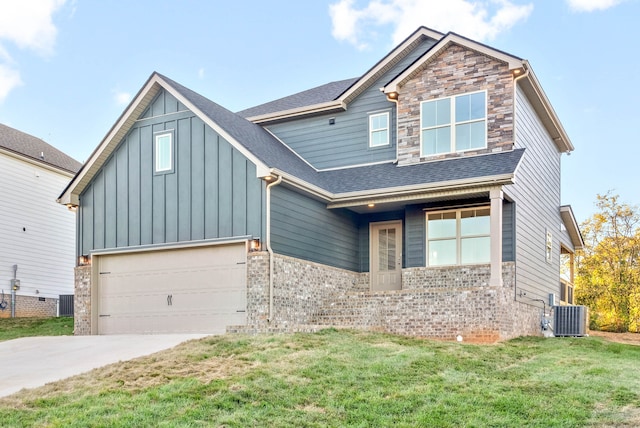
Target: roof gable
(305,104)
(36,150)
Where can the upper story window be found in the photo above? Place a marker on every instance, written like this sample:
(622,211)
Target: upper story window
(458,237)
(379,129)
(454,124)
(163,151)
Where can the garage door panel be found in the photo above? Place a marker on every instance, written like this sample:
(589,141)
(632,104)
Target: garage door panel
(187,290)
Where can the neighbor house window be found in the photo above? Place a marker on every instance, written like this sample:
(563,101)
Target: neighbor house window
(458,237)
(454,124)
(163,151)
(379,129)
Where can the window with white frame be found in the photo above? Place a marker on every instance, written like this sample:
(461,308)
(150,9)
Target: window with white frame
(163,152)
(459,237)
(379,129)
(454,124)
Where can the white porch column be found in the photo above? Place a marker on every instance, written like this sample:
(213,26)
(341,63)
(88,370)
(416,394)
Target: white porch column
(496,196)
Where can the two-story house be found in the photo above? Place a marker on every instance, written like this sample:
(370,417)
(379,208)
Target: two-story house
(421,198)
(37,235)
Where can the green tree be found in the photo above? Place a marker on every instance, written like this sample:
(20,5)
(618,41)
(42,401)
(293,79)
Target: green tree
(608,267)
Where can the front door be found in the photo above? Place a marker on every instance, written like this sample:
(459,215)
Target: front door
(386,255)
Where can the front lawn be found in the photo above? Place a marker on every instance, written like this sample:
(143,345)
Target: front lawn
(348,378)
(13,328)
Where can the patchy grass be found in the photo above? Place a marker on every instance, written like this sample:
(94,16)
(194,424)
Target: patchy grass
(13,328)
(347,378)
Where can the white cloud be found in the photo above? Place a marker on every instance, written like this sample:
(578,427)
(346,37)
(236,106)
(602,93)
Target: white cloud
(9,79)
(121,97)
(28,25)
(478,20)
(592,5)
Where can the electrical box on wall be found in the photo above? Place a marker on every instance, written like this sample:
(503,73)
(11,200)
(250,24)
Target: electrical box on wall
(15,284)
(552,299)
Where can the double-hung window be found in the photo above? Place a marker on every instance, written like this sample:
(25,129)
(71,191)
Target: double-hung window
(379,129)
(458,237)
(163,152)
(454,124)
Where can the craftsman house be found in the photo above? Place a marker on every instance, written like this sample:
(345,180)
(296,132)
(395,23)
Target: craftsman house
(37,244)
(421,198)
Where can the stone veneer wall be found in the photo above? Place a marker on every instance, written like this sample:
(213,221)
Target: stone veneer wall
(30,306)
(82,301)
(457,70)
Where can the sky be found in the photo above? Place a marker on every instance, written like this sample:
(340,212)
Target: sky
(69,68)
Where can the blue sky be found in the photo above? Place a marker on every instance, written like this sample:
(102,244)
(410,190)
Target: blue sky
(68,68)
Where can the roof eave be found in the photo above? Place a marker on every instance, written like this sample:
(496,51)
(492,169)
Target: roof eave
(571,224)
(70,195)
(451,38)
(532,88)
(328,107)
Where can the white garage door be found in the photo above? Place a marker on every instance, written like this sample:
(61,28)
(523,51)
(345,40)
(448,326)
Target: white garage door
(193,290)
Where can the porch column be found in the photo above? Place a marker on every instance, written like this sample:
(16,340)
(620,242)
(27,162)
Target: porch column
(496,196)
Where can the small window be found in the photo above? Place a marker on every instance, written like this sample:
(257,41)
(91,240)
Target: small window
(379,130)
(164,152)
(454,124)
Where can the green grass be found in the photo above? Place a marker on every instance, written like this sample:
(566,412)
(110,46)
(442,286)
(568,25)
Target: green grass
(13,328)
(347,378)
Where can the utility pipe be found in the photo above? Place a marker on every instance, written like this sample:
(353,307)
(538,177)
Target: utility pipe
(13,291)
(269,249)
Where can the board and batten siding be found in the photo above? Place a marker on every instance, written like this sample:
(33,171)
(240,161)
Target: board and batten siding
(213,191)
(537,205)
(36,233)
(346,142)
(304,228)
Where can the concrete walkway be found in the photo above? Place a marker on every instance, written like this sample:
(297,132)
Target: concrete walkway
(30,362)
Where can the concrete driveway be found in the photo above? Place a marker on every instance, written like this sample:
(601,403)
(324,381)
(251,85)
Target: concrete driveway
(30,362)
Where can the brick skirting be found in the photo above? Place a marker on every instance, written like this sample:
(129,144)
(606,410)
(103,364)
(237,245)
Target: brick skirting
(30,306)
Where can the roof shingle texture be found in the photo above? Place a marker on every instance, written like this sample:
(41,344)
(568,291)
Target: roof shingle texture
(34,148)
(320,94)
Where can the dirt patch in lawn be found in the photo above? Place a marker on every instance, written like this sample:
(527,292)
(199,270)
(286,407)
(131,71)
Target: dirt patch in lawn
(628,338)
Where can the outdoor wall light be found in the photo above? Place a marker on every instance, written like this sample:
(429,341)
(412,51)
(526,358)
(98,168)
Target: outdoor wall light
(254,245)
(84,260)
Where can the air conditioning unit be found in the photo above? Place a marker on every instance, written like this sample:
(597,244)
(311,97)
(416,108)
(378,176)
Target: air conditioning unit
(570,321)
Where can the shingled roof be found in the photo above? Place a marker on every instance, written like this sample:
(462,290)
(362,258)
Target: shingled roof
(317,95)
(276,155)
(35,149)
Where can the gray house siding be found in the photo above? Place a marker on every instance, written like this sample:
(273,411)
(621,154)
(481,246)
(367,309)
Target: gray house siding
(537,201)
(212,192)
(347,141)
(304,228)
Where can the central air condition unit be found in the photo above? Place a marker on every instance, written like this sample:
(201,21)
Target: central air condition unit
(570,321)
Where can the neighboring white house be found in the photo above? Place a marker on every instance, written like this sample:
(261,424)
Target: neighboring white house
(37,235)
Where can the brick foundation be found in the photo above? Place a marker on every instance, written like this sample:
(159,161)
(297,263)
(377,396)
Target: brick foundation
(30,306)
(439,303)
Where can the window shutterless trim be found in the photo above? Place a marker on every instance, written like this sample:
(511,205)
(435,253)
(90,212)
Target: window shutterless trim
(453,124)
(386,129)
(458,234)
(170,167)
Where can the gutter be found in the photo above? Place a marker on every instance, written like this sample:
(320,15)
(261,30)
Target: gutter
(269,249)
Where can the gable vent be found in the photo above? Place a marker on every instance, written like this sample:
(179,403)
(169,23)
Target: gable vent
(570,321)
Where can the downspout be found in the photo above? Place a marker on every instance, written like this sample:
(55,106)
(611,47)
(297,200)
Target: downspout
(515,264)
(269,249)
(393,97)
